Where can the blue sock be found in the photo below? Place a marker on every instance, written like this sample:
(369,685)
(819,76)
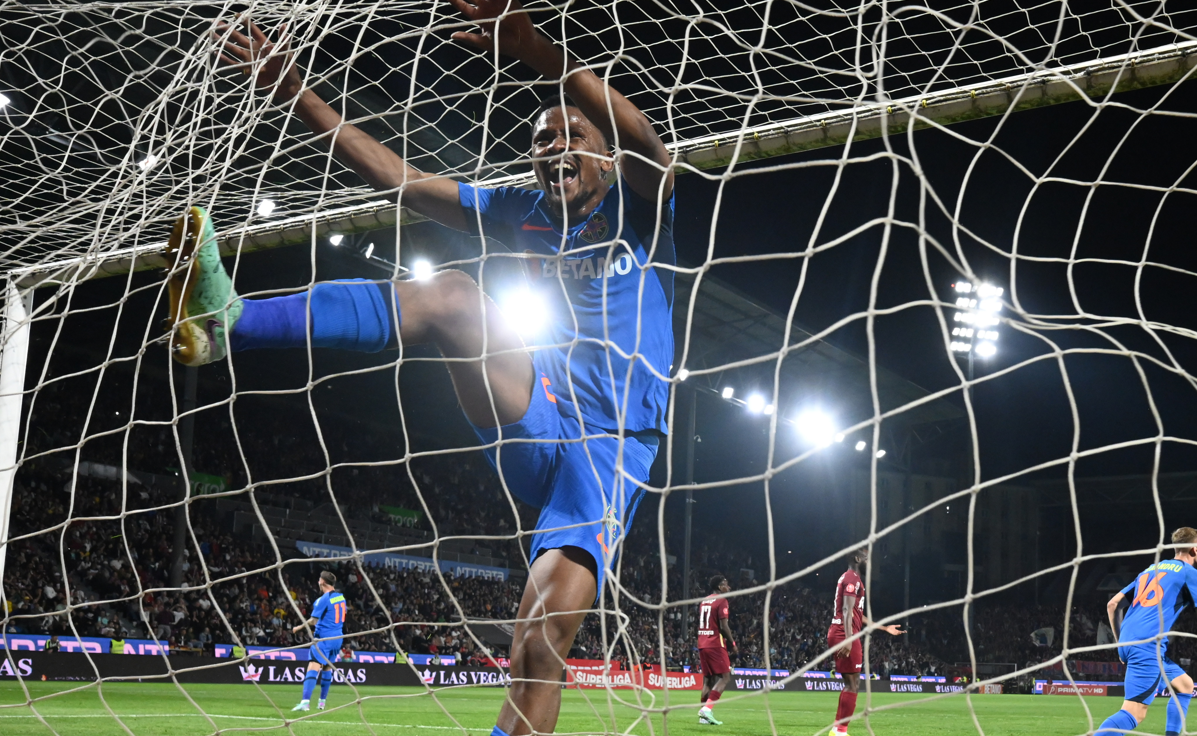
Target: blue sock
(496,731)
(350,315)
(1178,710)
(325,684)
(1121,719)
(309,683)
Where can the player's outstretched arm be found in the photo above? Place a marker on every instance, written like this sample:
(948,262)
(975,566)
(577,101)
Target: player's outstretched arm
(504,24)
(892,629)
(277,74)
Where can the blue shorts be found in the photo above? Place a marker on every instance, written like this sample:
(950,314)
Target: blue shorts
(584,500)
(326,652)
(1144,673)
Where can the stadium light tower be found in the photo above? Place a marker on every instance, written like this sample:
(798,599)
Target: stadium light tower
(975,323)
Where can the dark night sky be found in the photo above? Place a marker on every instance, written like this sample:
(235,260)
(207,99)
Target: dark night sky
(1024,417)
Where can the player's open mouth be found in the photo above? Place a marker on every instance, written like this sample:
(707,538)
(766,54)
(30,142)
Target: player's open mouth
(562,173)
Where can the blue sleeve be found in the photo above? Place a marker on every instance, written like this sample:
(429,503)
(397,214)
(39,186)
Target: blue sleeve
(1128,590)
(320,607)
(498,209)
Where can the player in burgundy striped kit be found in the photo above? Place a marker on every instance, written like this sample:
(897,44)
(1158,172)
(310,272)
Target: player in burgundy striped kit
(849,657)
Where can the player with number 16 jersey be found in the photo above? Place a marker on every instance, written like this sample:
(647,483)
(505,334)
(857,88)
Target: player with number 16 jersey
(1158,595)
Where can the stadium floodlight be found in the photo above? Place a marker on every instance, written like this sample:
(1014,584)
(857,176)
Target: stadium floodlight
(421,270)
(683,374)
(145,164)
(756,403)
(769,409)
(880,454)
(336,239)
(976,317)
(861,445)
(369,250)
(4,101)
(524,309)
(266,207)
(728,392)
(816,427)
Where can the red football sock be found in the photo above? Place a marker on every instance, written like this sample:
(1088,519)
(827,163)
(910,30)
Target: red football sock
(714,696)
(847,707)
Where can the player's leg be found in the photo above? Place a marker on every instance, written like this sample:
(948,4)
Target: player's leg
(707,714)
(447,310)
(326,678)
(849,668)
(1178,704)
(587,506)
(561,589)
(309,679)
(1141,681)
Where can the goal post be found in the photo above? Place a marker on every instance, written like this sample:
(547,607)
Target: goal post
(14,354)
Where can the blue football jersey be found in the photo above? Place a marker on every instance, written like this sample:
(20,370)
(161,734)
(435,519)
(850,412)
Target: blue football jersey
(591,278)
(330,611)
(1158,596)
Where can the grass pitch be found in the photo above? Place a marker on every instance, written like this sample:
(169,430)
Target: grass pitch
(143,709)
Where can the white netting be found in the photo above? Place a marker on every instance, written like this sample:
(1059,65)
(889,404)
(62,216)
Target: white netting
(116,116)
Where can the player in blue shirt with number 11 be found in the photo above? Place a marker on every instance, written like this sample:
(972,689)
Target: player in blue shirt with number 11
(328,618)
(1160,593)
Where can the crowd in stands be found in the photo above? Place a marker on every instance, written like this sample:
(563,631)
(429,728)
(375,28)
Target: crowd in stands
(93,557)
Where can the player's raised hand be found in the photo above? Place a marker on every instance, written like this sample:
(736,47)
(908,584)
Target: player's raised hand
(892,629)
(270,62)
(501,23)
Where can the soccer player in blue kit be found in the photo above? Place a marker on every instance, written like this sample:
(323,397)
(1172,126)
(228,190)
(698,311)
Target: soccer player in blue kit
(581,418)
(1161,593)
(328,618)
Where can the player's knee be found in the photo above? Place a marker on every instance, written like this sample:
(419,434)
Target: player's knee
(455,298)
(536,650)
(1183,685)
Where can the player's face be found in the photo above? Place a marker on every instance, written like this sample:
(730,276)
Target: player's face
(574,161)
(724,587)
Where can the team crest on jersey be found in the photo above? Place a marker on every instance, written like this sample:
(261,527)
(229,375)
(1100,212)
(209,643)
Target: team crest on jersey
(595,229)
(849,588)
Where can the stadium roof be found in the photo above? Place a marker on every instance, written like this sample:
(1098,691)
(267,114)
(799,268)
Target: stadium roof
(732,329)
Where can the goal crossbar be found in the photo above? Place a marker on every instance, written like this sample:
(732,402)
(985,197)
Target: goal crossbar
(1089,80)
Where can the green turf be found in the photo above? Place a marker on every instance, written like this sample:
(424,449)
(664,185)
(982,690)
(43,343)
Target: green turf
(162,709)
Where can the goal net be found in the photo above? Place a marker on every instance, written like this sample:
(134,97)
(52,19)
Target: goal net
(882,261)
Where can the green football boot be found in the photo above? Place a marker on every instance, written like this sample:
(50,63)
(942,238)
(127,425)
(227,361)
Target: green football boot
(204,307)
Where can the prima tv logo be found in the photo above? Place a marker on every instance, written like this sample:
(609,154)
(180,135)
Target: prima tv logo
(250,673)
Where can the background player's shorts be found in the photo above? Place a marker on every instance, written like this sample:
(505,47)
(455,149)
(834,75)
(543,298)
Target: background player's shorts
(714,661)
(327,651)
(1144,675)
(583,501)
(851,664)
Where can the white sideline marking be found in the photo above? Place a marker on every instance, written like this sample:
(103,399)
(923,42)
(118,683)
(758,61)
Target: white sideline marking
(307,719)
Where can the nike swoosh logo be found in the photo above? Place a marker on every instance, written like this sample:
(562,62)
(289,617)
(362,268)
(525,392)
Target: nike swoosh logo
(526,226)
